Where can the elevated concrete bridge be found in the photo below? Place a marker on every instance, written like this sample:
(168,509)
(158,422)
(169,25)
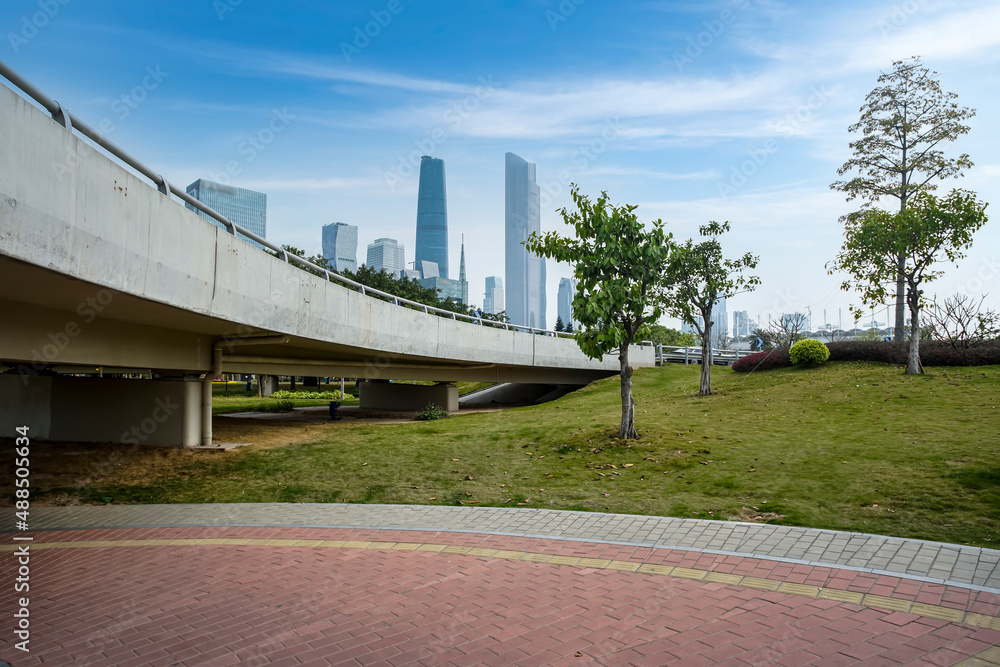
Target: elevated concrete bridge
(101,265)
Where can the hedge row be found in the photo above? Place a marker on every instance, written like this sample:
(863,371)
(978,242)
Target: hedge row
(932,353)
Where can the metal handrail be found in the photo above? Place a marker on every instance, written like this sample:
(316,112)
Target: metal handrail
(72,122)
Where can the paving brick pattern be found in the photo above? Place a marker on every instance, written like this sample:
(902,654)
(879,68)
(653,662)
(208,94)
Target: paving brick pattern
(930,561)
(292,595)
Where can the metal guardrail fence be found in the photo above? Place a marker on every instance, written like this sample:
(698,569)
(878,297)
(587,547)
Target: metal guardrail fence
(71,122)
(692,355)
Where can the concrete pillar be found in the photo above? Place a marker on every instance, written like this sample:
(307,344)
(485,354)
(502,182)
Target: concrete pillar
(86,409)
(395,396)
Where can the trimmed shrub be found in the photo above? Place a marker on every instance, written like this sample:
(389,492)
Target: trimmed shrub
(763,361)
(432,411)
(325,395)
(932,352)
(808,352)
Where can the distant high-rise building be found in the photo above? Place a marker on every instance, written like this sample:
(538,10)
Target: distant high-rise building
(796,321)
(525,271)
(564,308)
(741,323)
(246,208)
(340,246)
(456,290)
(432,215)
(493,300)
(720,321)
(427,268)
(386,255)
(461,275)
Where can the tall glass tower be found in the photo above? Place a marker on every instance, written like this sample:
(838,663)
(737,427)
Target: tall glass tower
(246,208)
(493,299)
(567,290)
(525,271)
(432,215)
(386,255)
(340,246)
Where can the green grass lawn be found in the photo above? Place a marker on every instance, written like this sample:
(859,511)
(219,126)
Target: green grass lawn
(849,446)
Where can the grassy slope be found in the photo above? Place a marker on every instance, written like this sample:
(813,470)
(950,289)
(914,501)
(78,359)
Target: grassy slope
(847,446)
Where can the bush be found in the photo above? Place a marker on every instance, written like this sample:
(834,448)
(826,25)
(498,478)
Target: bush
(326,395)
(763,361)
(432,411)
(808,352)
(932,353)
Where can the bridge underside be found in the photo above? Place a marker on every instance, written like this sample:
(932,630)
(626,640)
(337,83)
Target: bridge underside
(56,326)
(54,320)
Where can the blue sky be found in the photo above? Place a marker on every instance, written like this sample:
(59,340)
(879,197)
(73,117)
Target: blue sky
(694,111)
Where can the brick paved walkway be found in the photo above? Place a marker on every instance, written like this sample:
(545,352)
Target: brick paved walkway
(377,585)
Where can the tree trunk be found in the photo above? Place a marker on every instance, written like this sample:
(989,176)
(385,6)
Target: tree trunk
(913,365)
(899,332)
(706,360)
(627,430)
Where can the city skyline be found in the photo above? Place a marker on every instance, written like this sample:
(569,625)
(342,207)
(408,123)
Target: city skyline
(725,110)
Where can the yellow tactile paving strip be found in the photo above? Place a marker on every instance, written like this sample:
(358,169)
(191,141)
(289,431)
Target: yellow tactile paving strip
(866,600)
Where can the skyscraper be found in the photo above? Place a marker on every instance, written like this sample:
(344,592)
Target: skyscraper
(386,255)
(741,323)
(493,300)
(432,215)
(246,208)
(340,246)
(525,272)
(564,307)
(456,290)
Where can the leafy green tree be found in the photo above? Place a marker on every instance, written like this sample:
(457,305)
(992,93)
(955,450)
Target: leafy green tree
(559,324)
(661,335)
(698,277)
(620,266)
(928,231)
(904,122)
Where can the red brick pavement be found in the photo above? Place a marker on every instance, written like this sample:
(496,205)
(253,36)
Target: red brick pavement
(260,605)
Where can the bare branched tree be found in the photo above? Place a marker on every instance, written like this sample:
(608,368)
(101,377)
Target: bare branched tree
(961,321)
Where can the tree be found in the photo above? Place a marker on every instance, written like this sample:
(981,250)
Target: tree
(698,277)
(962,321)
(661,335)
(620,266)
(559,324)
(929,230)
(903,124)
(569,328)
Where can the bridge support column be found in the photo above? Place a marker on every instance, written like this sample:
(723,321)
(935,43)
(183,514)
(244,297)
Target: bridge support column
(164,412)
(399,396)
